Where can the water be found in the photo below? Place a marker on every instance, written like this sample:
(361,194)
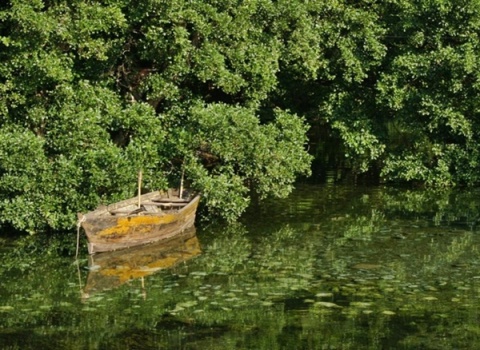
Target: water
(331,267)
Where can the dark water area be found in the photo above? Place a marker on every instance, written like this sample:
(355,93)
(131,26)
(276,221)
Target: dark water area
(330,267)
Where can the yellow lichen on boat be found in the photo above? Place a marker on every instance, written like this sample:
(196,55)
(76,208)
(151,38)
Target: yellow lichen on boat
(125,225)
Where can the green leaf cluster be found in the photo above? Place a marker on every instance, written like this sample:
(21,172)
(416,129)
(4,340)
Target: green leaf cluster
(430,90)
(391,86)
(92,92)
(232,153)
(225,92)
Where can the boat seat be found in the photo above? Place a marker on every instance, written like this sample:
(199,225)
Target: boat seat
(124,211)
(128,210)
(167,204)
(149,208)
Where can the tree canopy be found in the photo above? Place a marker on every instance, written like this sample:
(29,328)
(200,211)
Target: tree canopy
(229,92)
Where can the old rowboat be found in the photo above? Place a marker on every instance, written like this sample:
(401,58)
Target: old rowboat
(148,218)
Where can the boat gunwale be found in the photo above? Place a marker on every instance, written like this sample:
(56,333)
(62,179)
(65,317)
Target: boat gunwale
(101,211)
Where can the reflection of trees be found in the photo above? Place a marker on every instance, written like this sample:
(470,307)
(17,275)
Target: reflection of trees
(286,256)
(363,271)
(426,255)
(228,251)
(235,284)
(446,206)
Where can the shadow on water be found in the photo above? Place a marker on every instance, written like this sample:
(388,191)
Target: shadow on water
(329,267)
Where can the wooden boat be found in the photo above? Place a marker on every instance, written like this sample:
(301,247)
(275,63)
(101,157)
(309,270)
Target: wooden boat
(112,269)
(140,220)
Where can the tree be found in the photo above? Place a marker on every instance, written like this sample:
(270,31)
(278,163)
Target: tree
(330,77)
(429,91)
(389,87)
(94,91)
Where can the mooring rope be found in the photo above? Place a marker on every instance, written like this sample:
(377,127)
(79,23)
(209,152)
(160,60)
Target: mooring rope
(79,225)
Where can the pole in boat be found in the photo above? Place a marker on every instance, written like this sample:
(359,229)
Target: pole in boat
(181,183)
(139,188)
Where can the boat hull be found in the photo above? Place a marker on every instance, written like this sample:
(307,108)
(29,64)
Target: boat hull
(107,232)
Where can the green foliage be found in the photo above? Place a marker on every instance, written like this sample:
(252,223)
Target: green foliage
(239,155)
(93,92)
(225,90)
(430,82)
(333,52)
(73,163)
(208,48)
(394,84)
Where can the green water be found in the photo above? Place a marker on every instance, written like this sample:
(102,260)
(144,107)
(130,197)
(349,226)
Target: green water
(331,267)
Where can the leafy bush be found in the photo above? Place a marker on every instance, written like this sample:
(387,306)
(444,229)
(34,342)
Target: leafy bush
(93,92)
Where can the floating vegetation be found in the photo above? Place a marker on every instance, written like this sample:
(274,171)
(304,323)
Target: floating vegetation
(326,304)
(388,312)
(6,308)
(324,295)
(366,266)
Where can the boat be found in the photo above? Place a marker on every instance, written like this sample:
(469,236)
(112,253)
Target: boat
(112,269)
(144,219)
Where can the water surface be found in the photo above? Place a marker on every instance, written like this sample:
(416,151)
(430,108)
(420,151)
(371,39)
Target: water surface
(330,267)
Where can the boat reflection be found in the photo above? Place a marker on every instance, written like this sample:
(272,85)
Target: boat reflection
(112,269)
